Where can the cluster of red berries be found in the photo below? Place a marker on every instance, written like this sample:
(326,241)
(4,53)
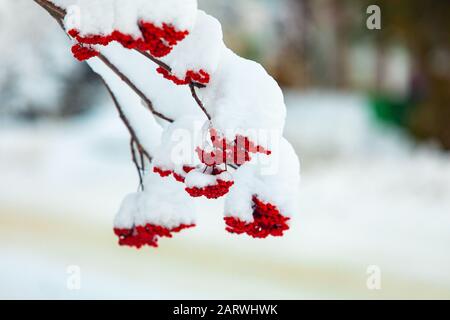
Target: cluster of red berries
(236,152)
(215,191)
(267,221)
(191,76)
(147,235)
(179,177)
(159,41)
(83,53)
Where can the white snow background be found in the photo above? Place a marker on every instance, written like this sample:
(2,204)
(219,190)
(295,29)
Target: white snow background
(369,197)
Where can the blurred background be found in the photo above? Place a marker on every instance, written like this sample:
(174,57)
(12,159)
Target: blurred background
(368,113)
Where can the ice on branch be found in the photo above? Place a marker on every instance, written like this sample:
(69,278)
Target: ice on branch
(161,210)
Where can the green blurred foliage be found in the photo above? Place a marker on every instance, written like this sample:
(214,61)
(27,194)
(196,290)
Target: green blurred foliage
(423,27)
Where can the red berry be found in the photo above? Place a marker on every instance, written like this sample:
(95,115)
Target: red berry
(191,76)
(179,177)
(82,53)
(218,190)
(159,41)
(267,221)
(163,173)
(235,152)
(147,235)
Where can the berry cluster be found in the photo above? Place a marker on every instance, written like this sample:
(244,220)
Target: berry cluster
(179,177)
(83,53)
(267,221)
(215,191)
(147,235)
(191,76)
(236,152)
(159,41)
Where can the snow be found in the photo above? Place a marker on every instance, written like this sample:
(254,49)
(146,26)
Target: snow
(369,196)
(201,50)
(178,143)
(370,200)
(163,203)
(243,99)
(199,179)
(102,17)
(125,218)
(171,100)
(273,179)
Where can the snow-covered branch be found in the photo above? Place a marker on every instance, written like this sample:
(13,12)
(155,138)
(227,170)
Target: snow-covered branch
(125,79)
(220,111)
(135,141)
(58,14)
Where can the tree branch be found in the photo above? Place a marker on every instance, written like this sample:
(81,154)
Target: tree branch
(138,168)
(125,79)
(55,11)
(127,123)
(134,141)
(199,102)
(58,14)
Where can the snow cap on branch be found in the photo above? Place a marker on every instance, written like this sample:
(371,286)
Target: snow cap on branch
(146,25)
(211,183)
(163,202)
(162,209)
(102,17)
(272,179)
(175,153)
(197,56)
(243,99)
(259,204)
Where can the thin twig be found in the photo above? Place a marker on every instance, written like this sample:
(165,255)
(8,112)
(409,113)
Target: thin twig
(125,79)
(128,125)
(153,59)
(199,102)
(54,10)
(138,168)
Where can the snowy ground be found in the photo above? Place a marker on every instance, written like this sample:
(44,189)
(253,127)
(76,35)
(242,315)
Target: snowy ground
(369,197)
